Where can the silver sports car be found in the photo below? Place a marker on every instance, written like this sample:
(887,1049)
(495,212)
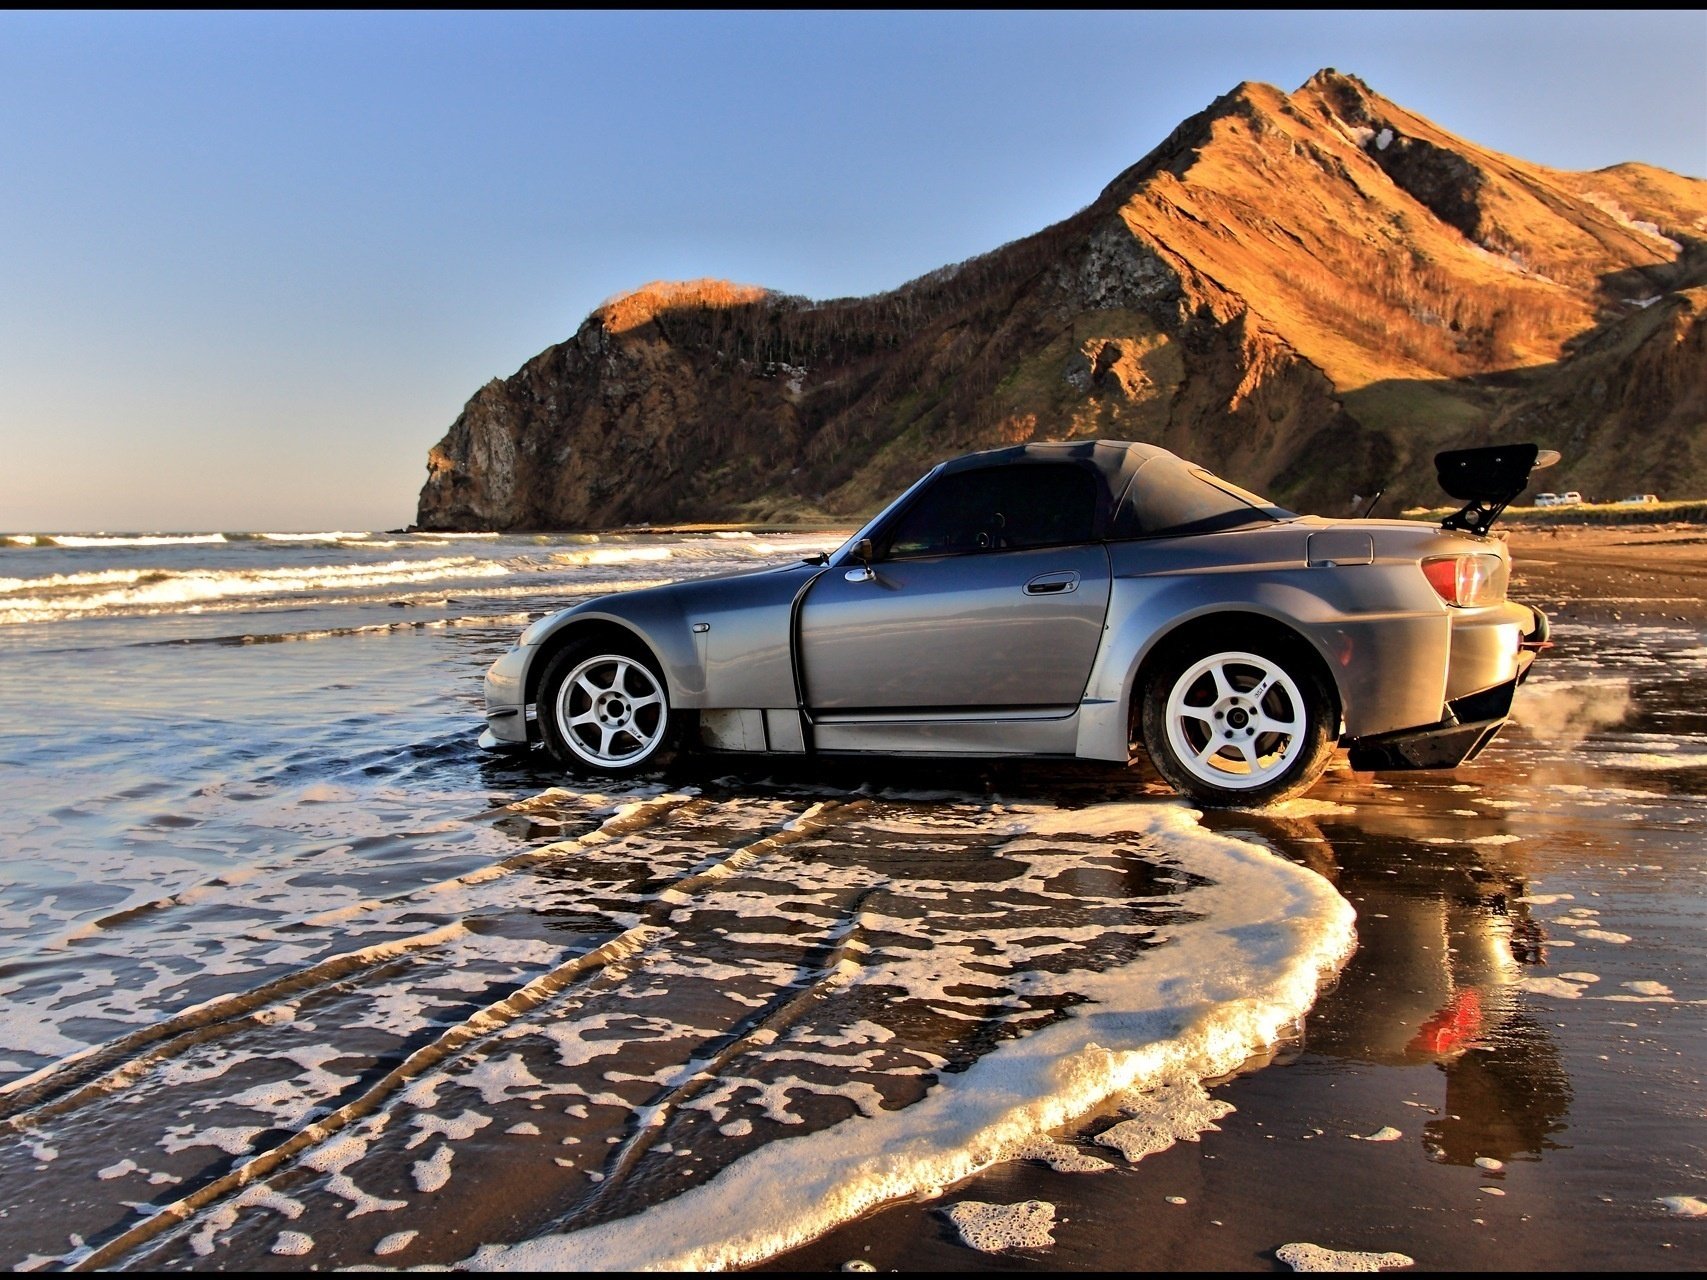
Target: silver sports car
(1071,600)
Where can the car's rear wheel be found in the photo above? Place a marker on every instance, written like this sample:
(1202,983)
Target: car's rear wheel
(606,708)
(1238,727)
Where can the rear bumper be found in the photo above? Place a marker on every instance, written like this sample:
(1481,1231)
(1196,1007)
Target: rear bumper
(1470,724)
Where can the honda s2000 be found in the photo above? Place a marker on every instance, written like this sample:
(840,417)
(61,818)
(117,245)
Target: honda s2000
(1067,600)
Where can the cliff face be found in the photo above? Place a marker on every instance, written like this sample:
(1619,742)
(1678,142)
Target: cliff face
(1310,293)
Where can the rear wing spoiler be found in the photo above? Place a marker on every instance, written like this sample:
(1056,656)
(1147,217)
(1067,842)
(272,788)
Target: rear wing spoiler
(1487,480)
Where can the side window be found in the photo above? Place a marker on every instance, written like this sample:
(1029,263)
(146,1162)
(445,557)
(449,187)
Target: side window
(1002,508)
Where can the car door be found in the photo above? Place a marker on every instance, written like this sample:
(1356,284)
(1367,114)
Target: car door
(987,594)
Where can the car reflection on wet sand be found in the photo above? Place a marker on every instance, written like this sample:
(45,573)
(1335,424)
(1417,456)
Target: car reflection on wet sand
(1442,947)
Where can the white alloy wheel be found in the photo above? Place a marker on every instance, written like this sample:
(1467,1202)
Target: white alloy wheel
(611,711)
(1236,720)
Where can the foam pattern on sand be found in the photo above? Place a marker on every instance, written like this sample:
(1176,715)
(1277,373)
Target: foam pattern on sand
(609,1035)
(1179,1111)
(1313,1257)
(996,1228)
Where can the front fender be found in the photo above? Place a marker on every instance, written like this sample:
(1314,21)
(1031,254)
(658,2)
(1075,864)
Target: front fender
(655,618)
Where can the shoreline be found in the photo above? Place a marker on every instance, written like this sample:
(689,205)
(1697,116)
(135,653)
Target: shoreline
(1499,908)
(1613,573)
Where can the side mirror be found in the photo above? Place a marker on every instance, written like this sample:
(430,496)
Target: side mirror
(862,552)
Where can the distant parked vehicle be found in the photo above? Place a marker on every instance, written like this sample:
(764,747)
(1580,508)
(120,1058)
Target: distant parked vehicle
(1569,499)
(1639,500)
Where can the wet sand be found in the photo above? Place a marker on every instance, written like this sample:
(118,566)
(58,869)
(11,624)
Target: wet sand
(1614,573)
(1508,1074)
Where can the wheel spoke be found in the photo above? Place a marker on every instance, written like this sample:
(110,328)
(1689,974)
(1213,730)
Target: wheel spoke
(650,700)
(586,717)
(1196,713)
(606,735)
(585,684)
(1223,689)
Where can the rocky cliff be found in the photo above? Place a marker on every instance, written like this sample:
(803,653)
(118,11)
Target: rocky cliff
(1310,293)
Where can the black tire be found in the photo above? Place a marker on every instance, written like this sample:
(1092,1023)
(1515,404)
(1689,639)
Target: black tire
(1237,724)
(604,707)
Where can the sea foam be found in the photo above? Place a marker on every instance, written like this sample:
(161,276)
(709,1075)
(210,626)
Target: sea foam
(1220,988)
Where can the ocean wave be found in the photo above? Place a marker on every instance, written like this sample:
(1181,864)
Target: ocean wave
(613,555)
(336,535)
(127,591)
(1226,980)
(336,633)
(724,547)
(113,539)
(555,588)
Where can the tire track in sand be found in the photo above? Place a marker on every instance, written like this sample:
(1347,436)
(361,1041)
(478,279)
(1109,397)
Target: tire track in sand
(491,1018)
(116,1064)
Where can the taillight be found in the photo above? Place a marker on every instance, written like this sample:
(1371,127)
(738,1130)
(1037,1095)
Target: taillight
(1466,581)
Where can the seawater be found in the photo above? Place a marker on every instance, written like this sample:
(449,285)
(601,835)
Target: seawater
(282,954)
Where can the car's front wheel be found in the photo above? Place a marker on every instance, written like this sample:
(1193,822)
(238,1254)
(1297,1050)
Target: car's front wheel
(1238,727)
(607,709)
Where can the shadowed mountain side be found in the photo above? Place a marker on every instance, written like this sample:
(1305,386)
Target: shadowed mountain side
(1309,293)
(1627,406)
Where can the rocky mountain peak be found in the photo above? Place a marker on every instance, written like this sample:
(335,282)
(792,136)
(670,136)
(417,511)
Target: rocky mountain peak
(641,306)
(1309,292)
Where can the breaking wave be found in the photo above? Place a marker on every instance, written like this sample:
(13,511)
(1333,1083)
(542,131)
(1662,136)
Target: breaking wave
(143,591)
(114,540)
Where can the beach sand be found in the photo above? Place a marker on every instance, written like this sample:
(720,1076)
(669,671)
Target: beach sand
(1614,573)
(1508,1073)
(1505,1074)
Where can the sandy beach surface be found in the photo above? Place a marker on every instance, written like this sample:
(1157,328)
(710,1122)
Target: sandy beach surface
(1508,1074)
(291,978)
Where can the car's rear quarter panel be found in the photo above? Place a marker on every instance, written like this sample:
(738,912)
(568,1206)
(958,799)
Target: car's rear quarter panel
(1379,628)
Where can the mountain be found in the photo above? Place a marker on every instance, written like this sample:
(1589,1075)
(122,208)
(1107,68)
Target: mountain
(1309,293)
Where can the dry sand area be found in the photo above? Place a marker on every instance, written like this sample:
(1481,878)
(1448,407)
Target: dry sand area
(1614,572)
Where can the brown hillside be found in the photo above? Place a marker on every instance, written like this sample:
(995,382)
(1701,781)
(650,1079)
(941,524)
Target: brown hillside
(1310,293)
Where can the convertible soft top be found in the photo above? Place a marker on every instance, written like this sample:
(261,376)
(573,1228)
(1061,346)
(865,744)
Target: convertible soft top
(1143,490)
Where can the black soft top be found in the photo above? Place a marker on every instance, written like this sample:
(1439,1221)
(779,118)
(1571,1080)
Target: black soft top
(1143,491)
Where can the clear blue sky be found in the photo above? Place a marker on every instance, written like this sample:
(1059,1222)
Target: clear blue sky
(255,263)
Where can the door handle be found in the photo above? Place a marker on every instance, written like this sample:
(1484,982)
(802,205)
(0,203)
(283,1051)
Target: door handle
(1052,584)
